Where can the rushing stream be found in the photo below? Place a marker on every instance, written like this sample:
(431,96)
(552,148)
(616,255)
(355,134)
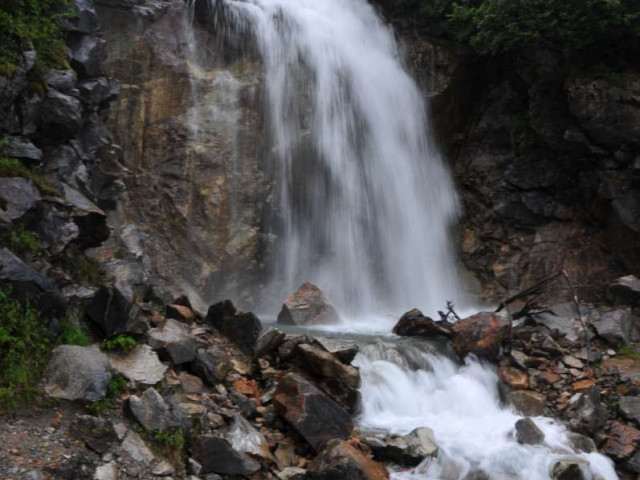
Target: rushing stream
(367,205)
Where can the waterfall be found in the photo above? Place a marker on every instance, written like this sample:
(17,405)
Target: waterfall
(365,199)
(404,387)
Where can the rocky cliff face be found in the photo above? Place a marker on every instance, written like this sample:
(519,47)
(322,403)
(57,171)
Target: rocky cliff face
(546,160)
(189,119)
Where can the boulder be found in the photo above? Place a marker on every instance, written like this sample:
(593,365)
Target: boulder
(112,312)
(61,80)
(107,471)
(269,341)
(415,324)
(190,383)
(216,455)
(630,408)
(527,402)
(582,443)
(408,450)
(97,433)
(587,414)
(22,148)
(60,115)
(320,362)
(87,54)
(179,313)
(77,373)
(310,412)
(141,365)
(622,442)
(483,334)
(340,460)
(212,365)
(244,438)
(570,468)
(516,379)
(57,230)
(137,449)
(528,433)
(91,220)
(625,290)
(614,326)
(85,19)
(153,412)
(174,339)
(561,317)
(308,306)
(243,328)
(17,196)
(95,91)
(285,455)
(344,350)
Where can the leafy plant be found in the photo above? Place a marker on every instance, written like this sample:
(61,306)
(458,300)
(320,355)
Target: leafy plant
(12,167)
(24,349)
(72,334)
(122,343)
(627,351)
(171,443)
(32,24)
(22,242)
(116,386)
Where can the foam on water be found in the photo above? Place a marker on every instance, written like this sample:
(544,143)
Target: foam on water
(404,388)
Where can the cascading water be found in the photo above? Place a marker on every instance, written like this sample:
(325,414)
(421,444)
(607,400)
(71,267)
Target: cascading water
(366,200)
(404,387)
(367,205)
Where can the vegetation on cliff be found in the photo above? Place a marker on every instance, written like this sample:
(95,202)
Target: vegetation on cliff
(32,24)
(496,26)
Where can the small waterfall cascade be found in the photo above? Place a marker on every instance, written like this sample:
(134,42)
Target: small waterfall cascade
(366,202)
(405,387)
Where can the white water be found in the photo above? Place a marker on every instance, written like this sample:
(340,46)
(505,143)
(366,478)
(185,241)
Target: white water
(367,205)
(404,388)
(366,200)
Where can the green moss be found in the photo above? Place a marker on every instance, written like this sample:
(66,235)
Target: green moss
(33,24)
(122,343)
(628,351)
(170,443)
(116,386)
(72,334)
(23,242)
(24,349)
(12,167)
(85,269)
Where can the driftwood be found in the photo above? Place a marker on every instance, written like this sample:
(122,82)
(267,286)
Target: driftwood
(531,294)
(446,317)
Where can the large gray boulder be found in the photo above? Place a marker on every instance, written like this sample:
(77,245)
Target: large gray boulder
(528,433)
(614,326)
(87,54)
(153,412)
(17,196)
(625,290)
(175,339)
(22,148)
(141,365)
(242,327)
(212,365)
(216,455)
(77,373)
(630,408)
(60,115)
(408,450)
(323,364)
(112,312)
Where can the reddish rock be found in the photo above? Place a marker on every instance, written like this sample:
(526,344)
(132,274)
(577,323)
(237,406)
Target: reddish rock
(483,334)
(342,460)
(415,324)
(528,402)
(516,379)
(246,387)
(583,384)
(549,377)
(622,442)
(191,383)
(311,412)
(308,306)
(180,313)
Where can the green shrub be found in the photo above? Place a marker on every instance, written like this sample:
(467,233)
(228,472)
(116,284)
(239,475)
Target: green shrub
(122,343)
(22,242)
(496,26)
(83,269)
(116,386)
(72,334)
(24,349)
(27,24)
(12,167)
(627,351)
